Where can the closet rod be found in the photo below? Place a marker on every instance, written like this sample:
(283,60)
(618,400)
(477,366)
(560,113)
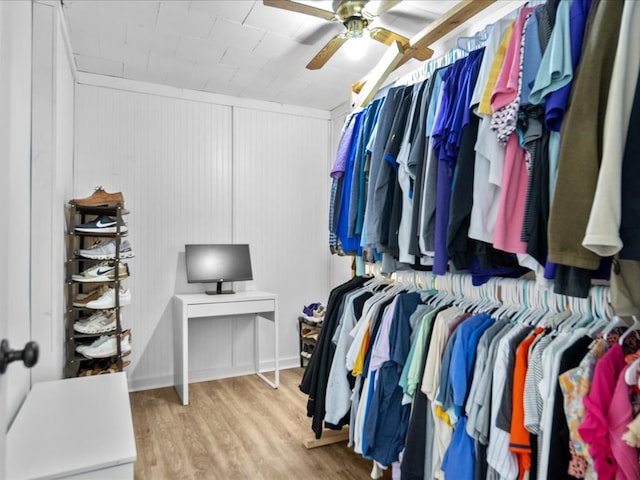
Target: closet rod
(365,89)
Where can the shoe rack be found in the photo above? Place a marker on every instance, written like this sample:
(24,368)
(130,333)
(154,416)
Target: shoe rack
(308,332)
(77,364)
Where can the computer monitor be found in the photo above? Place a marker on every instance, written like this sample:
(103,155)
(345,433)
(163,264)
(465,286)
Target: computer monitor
(218,263)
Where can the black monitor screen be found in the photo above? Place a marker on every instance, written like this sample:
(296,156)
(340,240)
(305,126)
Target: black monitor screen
(218,263)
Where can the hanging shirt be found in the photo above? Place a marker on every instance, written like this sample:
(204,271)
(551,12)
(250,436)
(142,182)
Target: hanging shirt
(350,244)
(410,373)
(447,134)
(337,173)
(594,429)
(314,381)
(557,100)
(484,355)
(603,229)
(404,178)
(431,379)
(359,183)
(387,419)
(581,147)
(337,397)
(499,456)
(462,362)
(619,414)
(484,106)
(510,217)
(385,183)
(520,442)
(556,69)
(428,205)
(382,128)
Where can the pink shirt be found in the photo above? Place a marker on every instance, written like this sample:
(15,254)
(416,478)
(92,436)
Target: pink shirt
(513,194)
(595,427)
(507,86)
(619,414)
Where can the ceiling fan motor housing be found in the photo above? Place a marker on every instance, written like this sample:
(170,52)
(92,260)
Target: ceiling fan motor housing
(352,15)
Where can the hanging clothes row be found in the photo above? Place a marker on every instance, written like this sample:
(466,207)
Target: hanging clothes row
(502,381)
(515,158)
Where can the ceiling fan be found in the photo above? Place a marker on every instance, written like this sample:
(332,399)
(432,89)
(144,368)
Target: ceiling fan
(355,15)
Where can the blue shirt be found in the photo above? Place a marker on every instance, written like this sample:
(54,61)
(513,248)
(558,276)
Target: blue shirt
(349,244)
(557,101)
(531,57)
(387,419)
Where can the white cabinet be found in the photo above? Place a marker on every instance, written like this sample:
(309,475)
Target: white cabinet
(76,428)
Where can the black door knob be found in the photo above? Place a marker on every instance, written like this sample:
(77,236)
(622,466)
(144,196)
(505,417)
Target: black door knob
(29,355)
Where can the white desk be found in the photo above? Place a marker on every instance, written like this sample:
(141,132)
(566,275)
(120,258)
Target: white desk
(78,428)
(198,305)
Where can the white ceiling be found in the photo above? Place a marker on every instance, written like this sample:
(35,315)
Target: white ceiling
(232,47)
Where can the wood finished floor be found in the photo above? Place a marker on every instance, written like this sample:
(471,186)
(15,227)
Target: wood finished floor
(235,428)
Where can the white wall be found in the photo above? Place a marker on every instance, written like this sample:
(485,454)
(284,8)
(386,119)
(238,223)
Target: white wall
(205,168)
(51,186)
(15,130)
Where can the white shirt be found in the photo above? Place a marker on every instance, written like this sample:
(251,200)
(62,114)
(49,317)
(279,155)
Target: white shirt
(603,229)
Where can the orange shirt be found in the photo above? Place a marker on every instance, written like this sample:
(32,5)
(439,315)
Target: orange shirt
(520,440)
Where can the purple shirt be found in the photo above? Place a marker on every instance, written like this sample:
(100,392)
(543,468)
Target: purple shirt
(344,148)
(447,134)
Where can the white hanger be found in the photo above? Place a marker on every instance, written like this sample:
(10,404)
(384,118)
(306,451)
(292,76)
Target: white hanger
(633,328)
(631,376)
(615,323)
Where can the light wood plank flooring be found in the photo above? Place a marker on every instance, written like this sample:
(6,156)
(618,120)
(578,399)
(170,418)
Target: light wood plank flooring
(235,428)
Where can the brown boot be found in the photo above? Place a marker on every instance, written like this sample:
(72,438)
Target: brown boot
(100,198)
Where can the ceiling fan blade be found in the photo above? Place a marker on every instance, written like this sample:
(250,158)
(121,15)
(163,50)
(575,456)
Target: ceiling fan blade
(327,52)
(387,36)
(377,7)
(300,8)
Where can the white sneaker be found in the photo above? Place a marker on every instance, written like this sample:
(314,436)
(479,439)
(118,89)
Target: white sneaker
(102,272)
(81,299)
(108,299)
(81,348)
(107,250)
(106,346)
(102,321)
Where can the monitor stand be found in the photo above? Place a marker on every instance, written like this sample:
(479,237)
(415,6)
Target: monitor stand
(218,290)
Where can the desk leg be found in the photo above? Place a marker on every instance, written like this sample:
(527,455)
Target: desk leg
(273,317)
(181,350)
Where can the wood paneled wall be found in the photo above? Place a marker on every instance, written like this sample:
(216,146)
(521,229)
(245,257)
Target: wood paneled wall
(199,171)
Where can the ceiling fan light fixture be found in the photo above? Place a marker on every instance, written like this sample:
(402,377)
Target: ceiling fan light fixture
(355,27)
(355,48)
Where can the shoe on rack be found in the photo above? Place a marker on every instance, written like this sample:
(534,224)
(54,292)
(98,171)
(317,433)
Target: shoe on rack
(100,198)
(102,272)
(102,224)
(82,347)
(310,332)
(113,368)
(309,309)
(82,299)
(317,317)
(108,299)
(106,346)
(107,250)
(102,321)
